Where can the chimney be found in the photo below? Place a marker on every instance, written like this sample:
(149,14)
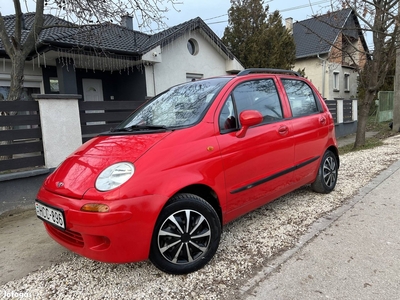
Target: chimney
(289,25)
(127,22)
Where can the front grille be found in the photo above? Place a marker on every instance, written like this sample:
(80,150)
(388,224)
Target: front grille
(68,236)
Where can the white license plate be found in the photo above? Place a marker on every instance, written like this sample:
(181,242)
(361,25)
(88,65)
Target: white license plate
(50,215)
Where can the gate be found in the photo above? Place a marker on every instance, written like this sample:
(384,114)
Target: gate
(20,135)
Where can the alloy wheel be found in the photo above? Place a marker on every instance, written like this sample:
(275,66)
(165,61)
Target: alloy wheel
(184,237)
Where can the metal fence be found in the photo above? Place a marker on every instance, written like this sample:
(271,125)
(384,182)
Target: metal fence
(332,106)
(385,106)
(347,111)
(20,135)
(100,116)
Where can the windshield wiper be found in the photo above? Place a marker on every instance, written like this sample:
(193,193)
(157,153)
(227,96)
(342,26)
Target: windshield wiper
(141,127)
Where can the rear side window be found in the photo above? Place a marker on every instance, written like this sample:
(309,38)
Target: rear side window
(301,97)
(260,95)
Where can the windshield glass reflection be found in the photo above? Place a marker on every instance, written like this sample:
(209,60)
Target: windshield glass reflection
(180,106)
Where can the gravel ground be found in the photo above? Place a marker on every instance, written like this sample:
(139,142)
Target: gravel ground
(247,245)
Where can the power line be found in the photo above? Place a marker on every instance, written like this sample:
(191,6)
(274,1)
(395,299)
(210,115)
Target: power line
(215,17)
(282,10)
(303,6)
(217,22)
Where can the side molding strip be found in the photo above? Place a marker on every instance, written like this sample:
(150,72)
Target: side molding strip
(274,176)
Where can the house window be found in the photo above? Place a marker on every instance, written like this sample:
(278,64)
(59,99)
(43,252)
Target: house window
(54,88)
(193,76)
(346,82)
(193,47)
(335,81)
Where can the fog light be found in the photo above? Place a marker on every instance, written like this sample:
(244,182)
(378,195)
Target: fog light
(95,207)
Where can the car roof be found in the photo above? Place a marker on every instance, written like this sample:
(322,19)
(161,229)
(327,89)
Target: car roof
(267,71)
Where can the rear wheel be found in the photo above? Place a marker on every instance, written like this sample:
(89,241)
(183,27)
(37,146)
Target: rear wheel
(186,235)
(327,174)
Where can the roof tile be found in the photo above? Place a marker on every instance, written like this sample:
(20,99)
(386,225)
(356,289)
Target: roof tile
(316,35)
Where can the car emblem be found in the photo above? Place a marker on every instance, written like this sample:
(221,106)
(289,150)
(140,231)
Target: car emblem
(60,184)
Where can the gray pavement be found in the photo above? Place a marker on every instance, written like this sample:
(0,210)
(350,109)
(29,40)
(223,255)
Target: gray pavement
(24,244)
(19,194)
(353,253)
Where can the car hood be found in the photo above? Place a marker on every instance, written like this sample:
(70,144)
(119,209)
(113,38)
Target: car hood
(79,171)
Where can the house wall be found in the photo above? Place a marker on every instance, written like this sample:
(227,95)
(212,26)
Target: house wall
(177,62)
(342,73)
(321,72)
(315,71)
(362,57)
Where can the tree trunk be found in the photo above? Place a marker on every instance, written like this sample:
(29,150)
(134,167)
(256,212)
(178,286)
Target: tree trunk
(396,99)
(363,114)
(17,76)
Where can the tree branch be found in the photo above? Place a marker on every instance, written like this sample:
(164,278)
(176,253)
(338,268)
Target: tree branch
(32,39)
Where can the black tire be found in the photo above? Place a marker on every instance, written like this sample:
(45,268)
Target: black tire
(327,174)
(181,247)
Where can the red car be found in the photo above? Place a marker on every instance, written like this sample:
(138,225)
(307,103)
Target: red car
(162,183)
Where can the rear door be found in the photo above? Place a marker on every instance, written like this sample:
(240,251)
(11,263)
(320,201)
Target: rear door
(310,128)
(257,165)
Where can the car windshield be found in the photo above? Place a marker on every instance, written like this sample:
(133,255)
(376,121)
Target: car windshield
(180,106)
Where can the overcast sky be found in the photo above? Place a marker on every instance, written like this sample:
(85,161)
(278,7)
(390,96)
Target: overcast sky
(214,12)
(216,15)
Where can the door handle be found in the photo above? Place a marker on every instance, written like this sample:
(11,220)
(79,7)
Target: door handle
(322,120)
(283,130)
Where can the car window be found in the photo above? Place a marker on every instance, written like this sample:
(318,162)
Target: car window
(260,95)
(301,97)
(180,106)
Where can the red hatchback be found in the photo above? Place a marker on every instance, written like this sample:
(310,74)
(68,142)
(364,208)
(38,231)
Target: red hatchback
(162,183)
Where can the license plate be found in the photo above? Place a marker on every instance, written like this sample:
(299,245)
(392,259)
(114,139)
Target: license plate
(49,214)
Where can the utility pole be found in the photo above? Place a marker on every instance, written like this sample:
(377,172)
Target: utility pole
(396,100)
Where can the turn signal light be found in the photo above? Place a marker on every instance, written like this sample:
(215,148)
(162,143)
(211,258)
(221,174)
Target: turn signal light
(95,207)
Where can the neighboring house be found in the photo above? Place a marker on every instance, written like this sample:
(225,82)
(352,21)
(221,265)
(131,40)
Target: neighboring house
(331,48)
(113,62)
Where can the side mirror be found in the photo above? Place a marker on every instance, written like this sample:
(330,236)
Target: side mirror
(248,118)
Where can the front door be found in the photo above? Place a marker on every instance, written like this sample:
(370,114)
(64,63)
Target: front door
(93,91)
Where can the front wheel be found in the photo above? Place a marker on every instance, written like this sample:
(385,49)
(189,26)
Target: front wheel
(186,235)
(327,174)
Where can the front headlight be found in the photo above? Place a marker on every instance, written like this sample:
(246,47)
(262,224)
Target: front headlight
(114,176)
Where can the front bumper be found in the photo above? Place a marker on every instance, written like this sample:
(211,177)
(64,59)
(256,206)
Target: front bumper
(119,236)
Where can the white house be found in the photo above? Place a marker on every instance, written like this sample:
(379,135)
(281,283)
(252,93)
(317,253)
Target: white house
(331,48)
(113,62)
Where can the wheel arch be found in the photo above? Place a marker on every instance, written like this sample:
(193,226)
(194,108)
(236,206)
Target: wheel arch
(335,151)
(204,192)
